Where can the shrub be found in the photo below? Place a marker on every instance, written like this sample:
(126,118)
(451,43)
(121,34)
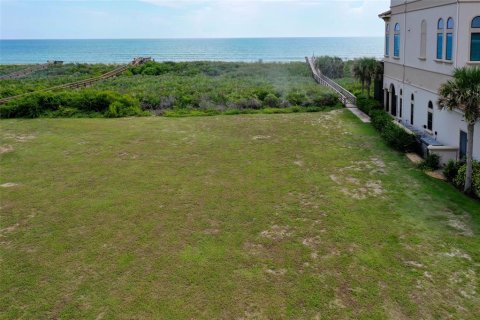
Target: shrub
(368,105)
(125,106)
(450,170)
(431,162)
(395,136)
(296,97)
(271,101)
(332,67)
(459,180)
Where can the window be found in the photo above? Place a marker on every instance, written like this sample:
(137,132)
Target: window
(387,40)
(412,107)
(440,27)
(423,40)
(401,104)
(430,116)
(449,51)
(396,41)
(475,40)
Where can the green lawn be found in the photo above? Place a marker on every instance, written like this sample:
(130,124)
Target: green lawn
(298,216)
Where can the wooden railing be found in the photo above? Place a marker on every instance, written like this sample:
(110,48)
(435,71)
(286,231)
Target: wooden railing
(83,83)
(25,72)
(344,95)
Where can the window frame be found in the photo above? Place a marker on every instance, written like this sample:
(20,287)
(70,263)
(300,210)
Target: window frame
(474,31)
(397,40)
(440,39)
(449,37)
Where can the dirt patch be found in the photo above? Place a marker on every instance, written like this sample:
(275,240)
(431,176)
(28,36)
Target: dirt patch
(211,231)
(9,229)
(261,137)
(369,189)
(438,174)
(252,312)
(276,233)
(9,185)
(466,281)
(461,227)
(312,242)
(6,148)
(298,163)
(254,249)
(125,155)
(24,137)
(414,158)
(456,253)
(277,272)
(414,264)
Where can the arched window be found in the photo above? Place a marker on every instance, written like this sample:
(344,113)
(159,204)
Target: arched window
(423,40)
(440,29)
(387,40)
(396,41)
(475,40)
(412,108)
(449,51)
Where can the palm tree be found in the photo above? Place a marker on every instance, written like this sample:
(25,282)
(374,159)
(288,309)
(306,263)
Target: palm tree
(365,70)
(359,71)
(463,93)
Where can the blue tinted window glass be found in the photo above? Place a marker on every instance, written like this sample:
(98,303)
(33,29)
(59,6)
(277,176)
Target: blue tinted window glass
(396,47)
(440,24)
(475,47)
(476,22)
(450,23)
(439,45)
(387,45)
(449,46)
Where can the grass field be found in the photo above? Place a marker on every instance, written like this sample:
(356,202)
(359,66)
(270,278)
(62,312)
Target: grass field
(299,216)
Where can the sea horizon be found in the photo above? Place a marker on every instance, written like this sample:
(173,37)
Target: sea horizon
(268,49)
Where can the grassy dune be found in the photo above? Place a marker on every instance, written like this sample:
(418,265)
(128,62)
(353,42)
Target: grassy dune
(237,217)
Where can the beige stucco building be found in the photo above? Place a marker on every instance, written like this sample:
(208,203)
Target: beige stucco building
(425,40)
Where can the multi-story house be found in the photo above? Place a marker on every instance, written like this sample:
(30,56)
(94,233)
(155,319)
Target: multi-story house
(425,40)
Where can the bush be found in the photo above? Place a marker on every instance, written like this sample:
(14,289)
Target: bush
(451,169)
(431,162)
(71,103)
(271,101)
(395,136)
(459,180)
(368,105)
(332,67)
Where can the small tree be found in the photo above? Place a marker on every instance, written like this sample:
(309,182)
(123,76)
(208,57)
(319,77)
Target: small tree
(463,93)
(366,70)
(331,67)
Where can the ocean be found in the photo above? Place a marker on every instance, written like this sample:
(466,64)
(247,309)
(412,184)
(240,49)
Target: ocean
(239,49)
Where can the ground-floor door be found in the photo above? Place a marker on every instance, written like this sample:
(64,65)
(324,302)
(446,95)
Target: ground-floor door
(463,145)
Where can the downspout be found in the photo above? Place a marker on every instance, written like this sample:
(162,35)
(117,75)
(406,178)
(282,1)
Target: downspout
(405,42)
(457,26)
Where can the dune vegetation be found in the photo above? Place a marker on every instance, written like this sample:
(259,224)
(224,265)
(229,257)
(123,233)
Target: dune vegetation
(168,88)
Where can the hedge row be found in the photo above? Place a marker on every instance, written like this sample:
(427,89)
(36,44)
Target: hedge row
(72,104)
(455,173)
(395,136)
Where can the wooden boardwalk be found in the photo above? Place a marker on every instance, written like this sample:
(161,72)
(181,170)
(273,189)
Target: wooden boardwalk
(83,83)
(27,71)
(347,98)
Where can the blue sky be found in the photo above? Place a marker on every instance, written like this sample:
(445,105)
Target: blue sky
(86,19)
